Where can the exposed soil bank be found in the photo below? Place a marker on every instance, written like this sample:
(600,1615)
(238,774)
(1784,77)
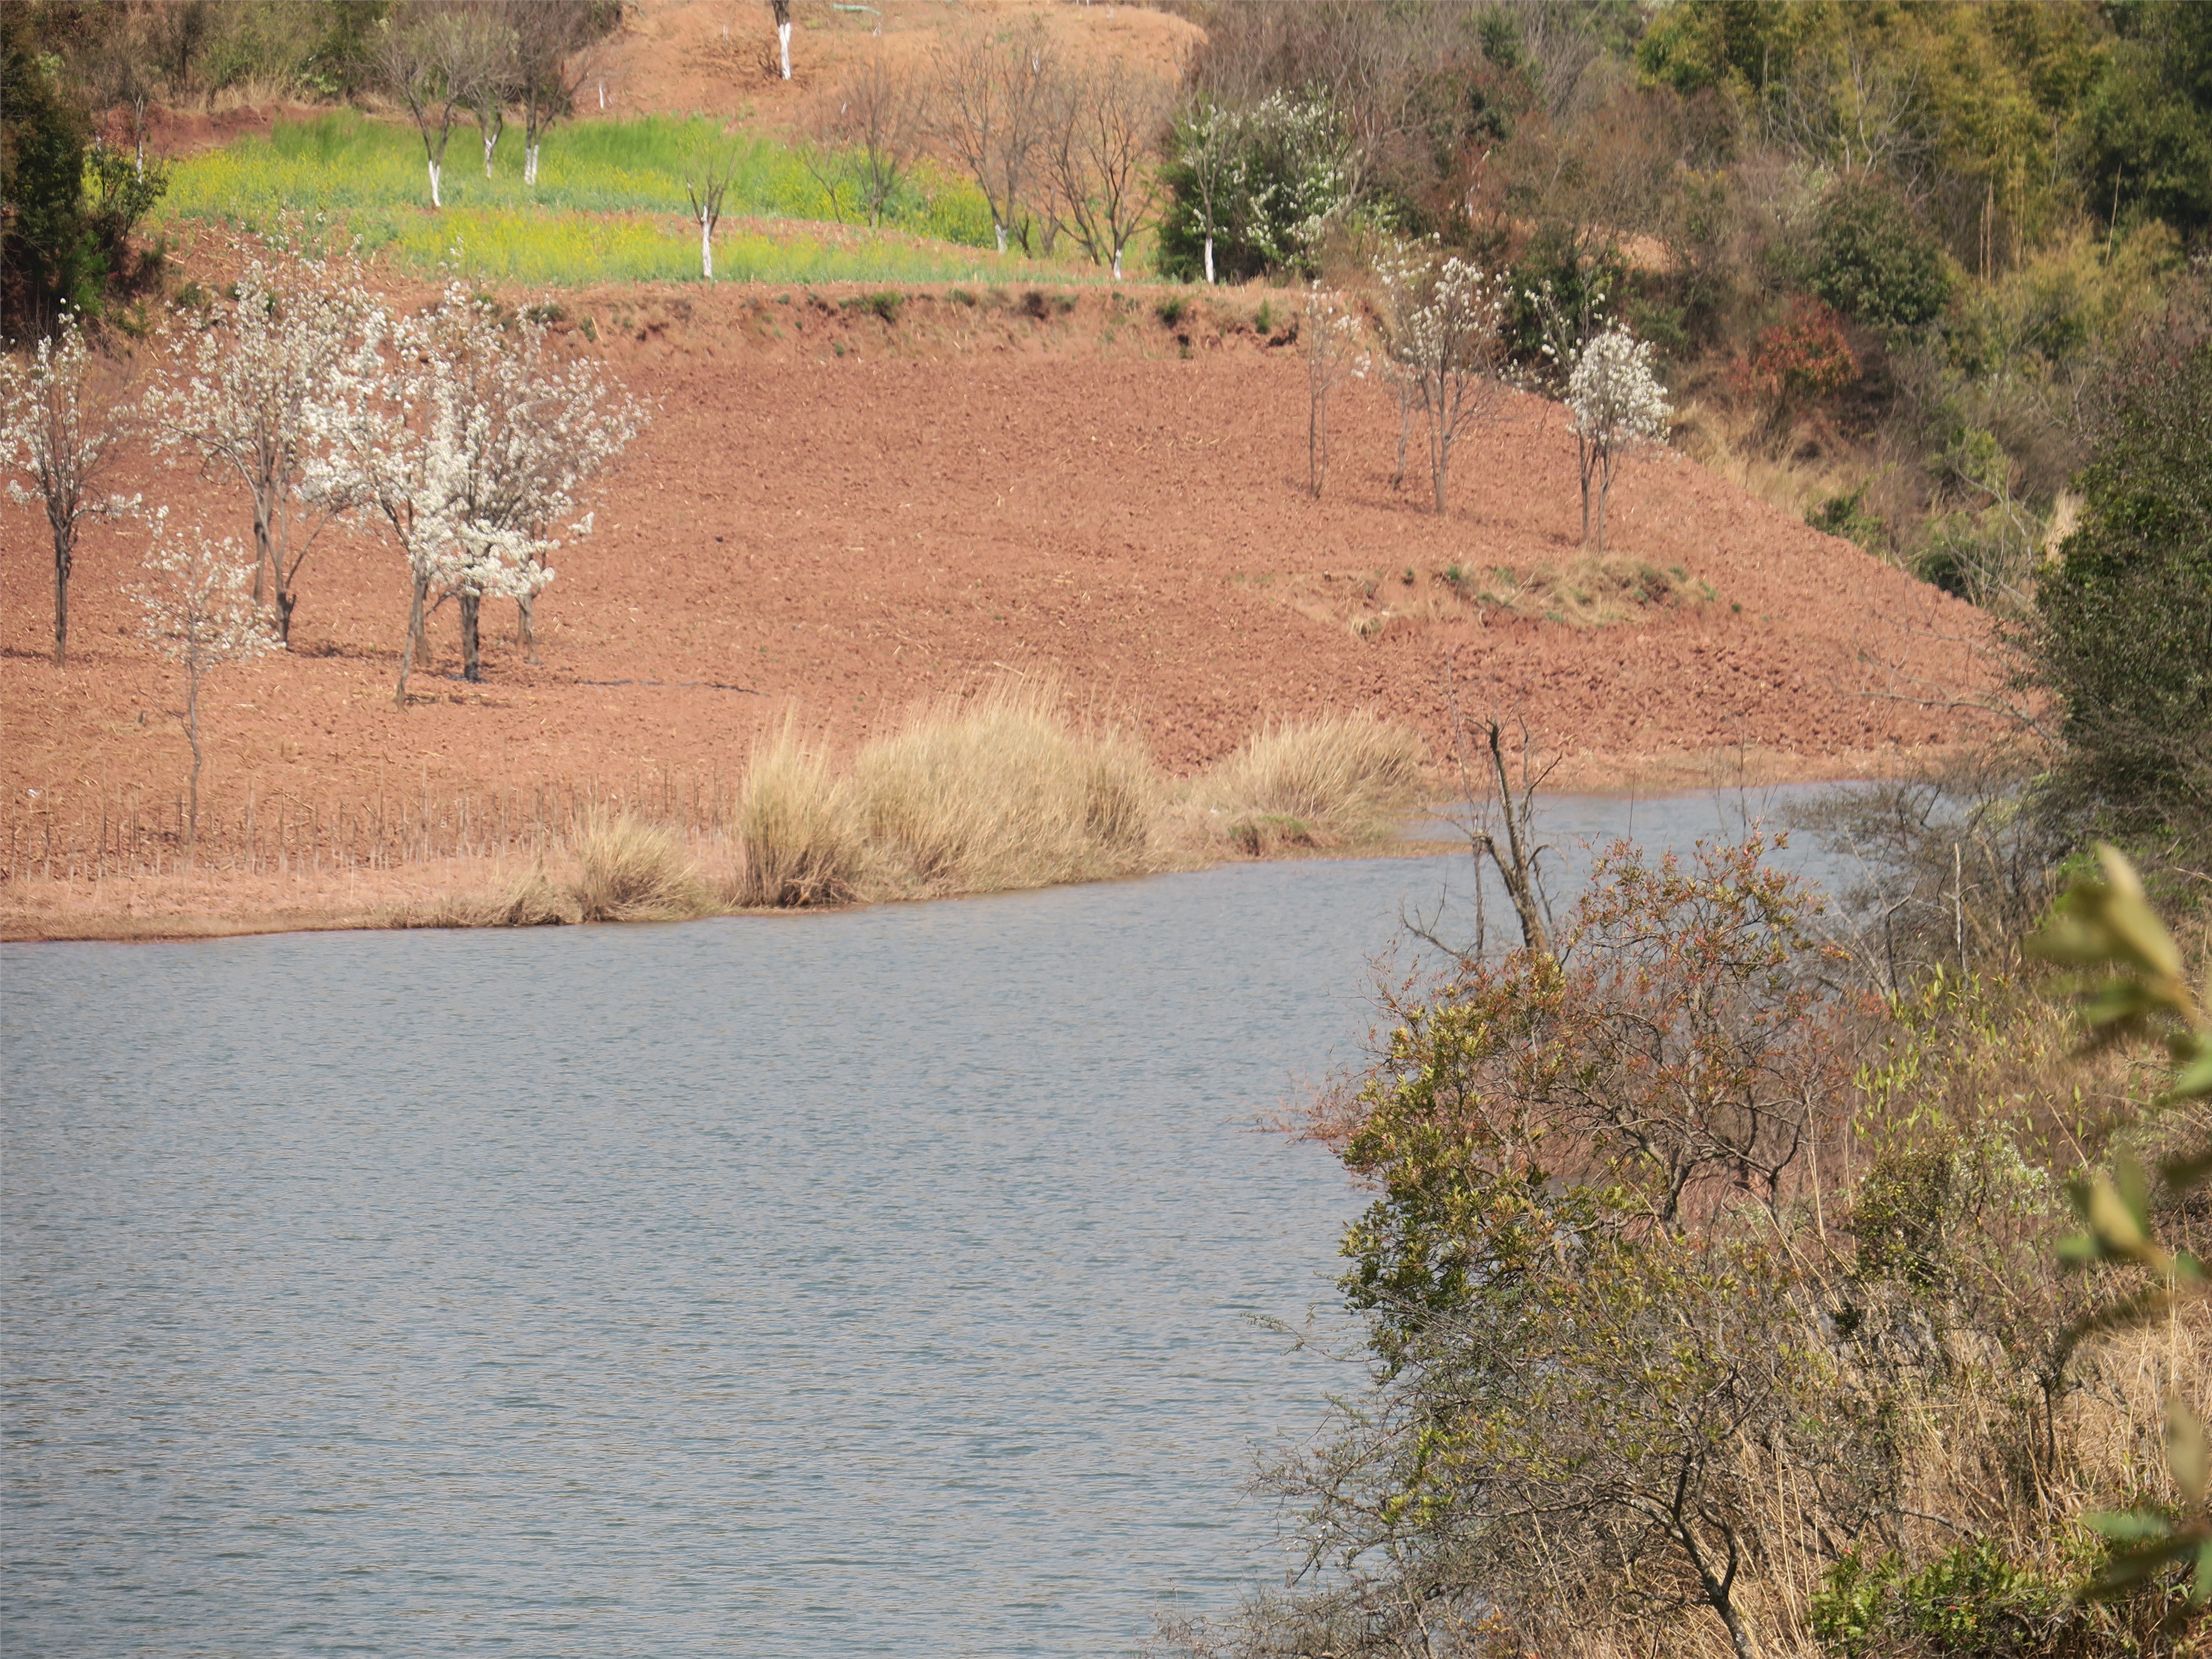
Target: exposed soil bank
(854,515)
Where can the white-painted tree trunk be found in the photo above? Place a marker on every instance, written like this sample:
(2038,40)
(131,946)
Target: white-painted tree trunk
(436,200)
(491,143)
(706,248)
(1117,265)
(1209,262)
(783,40)
(1001,229)
(603,94)
(530,164)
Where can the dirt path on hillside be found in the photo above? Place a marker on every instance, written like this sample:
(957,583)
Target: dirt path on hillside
(975,493)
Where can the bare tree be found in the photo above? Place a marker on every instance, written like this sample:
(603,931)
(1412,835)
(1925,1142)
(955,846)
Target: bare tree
(1330,333)
(1443,333)
(120,72)
(558,51)
(261,394)
(496,80)
(61,419)
(431,58)
(869,130)
(1105,128)
(706,178)
(193,608)
(992,105)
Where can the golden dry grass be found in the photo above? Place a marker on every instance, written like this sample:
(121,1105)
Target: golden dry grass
(1346,780)
(630,869)
(1000,791)
(794,828)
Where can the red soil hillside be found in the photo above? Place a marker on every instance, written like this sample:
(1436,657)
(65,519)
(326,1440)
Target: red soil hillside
(972,493)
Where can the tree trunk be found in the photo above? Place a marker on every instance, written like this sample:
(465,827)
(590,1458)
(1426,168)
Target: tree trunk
(530,163)
(471,608)
(1209,261)
(62,560)
(1584,461)
(192,731)
(783,41)
(419,592)
(525,625)
(285,602)
(436,200)
(1440,468)
(491,142)
(1405,431)
(1519,875)
(1117,262)
(263,558)
(1001,232)
(1604,493)
(706,248)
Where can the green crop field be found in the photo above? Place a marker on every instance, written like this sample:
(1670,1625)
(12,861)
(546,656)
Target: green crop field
(608,204)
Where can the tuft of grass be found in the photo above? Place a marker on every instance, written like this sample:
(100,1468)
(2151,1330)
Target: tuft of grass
(1172,310)
(1344,780)
(794,828)
(1001,792)
(630,870)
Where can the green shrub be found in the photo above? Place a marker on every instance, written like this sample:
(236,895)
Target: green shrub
(1173,309)
(1872,260)
(1846,516)
(1970,1601)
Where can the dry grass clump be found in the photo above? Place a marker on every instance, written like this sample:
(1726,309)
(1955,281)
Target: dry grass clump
(1597,590)
(1344,780)
(1000,792)
(794,828)
(631,870)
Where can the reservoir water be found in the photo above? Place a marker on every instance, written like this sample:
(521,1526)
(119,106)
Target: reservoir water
(873,1282)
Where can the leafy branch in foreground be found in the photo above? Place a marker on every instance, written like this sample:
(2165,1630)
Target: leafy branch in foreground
(2134,987)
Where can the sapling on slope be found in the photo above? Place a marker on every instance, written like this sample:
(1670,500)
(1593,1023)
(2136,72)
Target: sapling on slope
(60,425)
(1331,335)
(270,385)
(194,608)
(1616,403)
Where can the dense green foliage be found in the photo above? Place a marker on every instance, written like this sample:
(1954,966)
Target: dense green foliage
(73,204)
(2123,622)
(1871,261)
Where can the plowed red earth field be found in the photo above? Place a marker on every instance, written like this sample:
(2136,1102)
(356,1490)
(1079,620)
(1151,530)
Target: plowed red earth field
(974,493)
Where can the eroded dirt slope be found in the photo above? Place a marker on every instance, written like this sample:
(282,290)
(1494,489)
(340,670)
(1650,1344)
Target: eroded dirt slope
(976,492)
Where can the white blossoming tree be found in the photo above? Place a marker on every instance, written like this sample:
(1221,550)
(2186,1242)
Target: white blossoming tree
(1443,336)
(1616,404)
(194,608)
(262,393)
(62,417)
(473,457)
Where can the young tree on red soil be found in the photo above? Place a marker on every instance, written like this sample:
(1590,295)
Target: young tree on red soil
(193,607)
(62,417)
(1106,125)
(262,392)
(1443,333)
(868,131)
(992,102)
(431,59)
(1330,332)
(1616,404)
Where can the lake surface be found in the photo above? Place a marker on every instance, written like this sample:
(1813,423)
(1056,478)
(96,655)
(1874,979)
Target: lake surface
(876,1283)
